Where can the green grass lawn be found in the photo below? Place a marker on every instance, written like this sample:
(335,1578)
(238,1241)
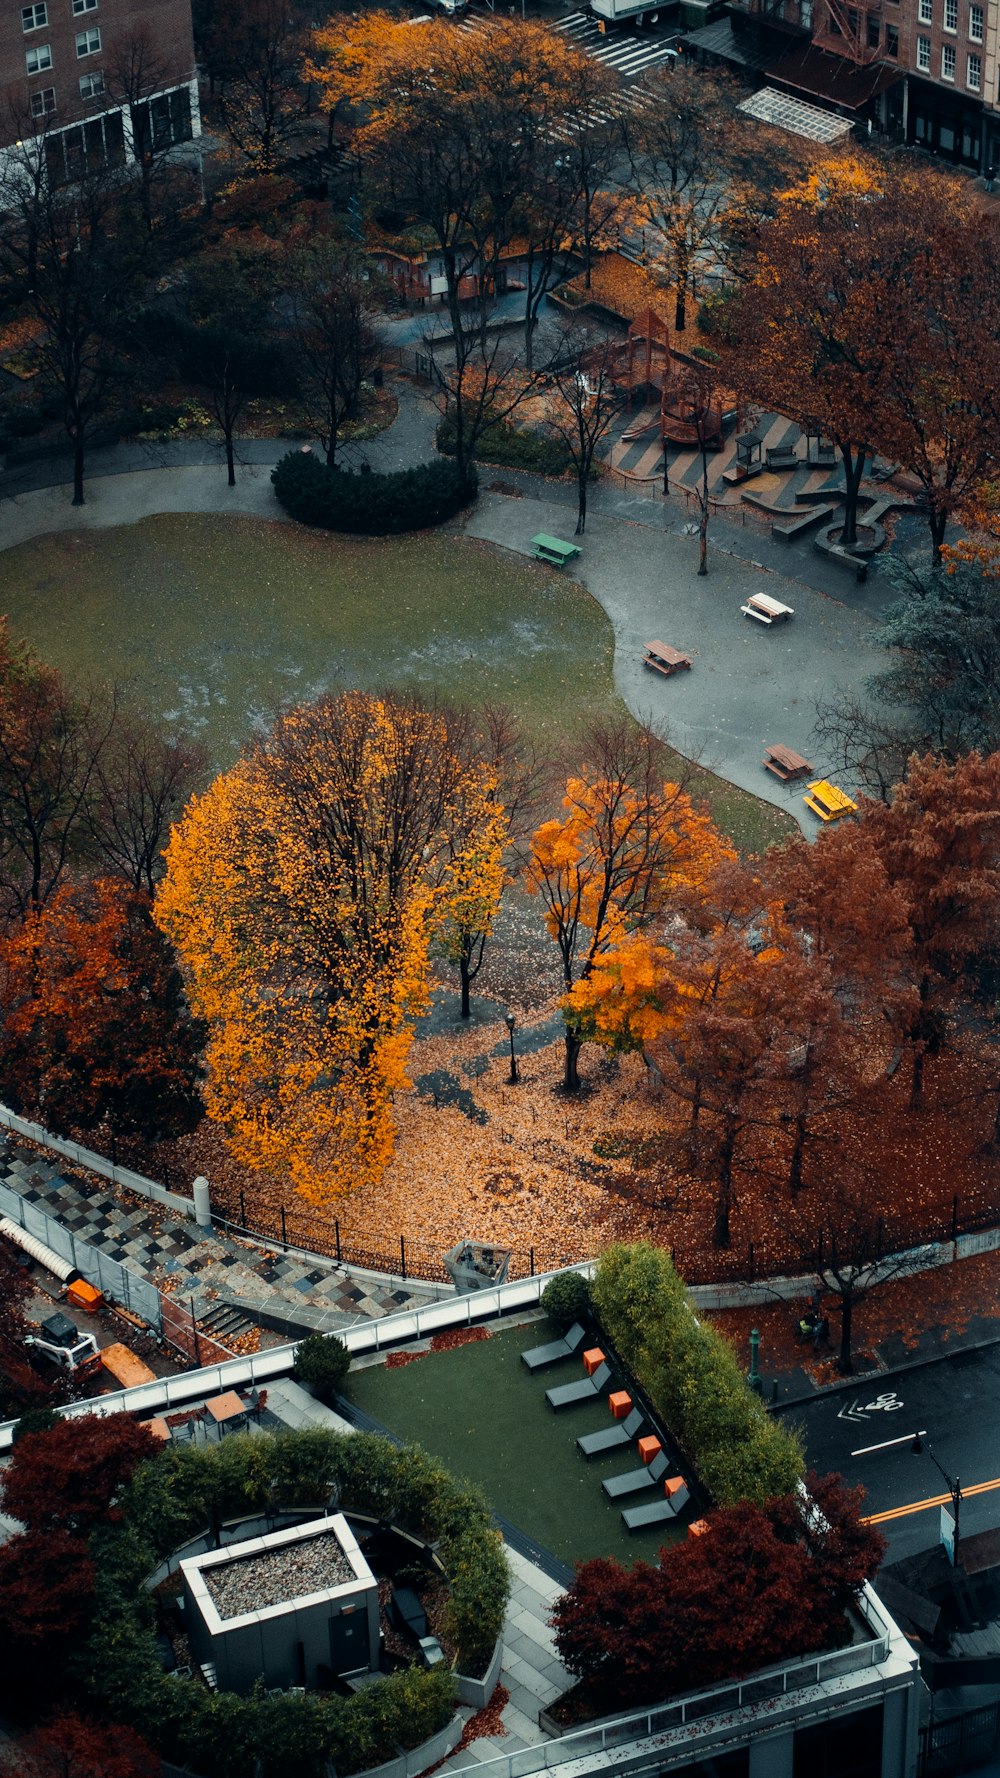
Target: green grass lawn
(216,623)
(481,1413)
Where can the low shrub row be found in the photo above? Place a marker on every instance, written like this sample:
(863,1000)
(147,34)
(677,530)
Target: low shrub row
(511,447)
(368,504)
(170,1500)
(692,1378)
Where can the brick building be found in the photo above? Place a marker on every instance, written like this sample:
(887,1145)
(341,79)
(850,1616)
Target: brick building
(99,78)
(924,72)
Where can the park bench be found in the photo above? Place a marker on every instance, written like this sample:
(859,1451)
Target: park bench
(829,803)
(782,457)
(766,610)
(784,762)
(664,659)
(554,550)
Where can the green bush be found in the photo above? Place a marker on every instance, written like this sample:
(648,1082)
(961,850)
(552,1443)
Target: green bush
(367,504)
(692,1378)
(511,447)
(566,1298)
(322,1362)
(34,1420)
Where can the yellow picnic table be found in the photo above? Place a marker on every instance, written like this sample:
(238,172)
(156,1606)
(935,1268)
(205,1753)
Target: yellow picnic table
(829,803)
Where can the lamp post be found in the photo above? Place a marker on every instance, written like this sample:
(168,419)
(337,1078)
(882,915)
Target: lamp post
(754,1378)
(954,1487)
(514,1077)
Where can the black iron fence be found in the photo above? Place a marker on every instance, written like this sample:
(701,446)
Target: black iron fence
(961,1744)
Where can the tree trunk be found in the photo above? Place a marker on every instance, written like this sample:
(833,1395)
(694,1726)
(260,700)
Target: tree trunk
(937,521)
(853,471)
(466,981)
(798,1149)
(230,459)
(79,451)
(724,1199)
(581,516)
(845,1362)
(703,539)
(571,1073)
(680,306)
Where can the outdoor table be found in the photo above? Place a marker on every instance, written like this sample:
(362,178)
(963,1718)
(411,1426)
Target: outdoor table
(223,1408)
(766,610)
(784,762)
(829,802)
(665,659)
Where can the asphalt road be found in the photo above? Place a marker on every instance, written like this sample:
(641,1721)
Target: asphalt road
(956,1402)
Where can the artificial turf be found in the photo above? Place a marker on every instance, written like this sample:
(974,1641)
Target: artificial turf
(214,623)
(485,1416)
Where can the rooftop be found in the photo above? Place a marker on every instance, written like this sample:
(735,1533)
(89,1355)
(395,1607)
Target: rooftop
(274,1577)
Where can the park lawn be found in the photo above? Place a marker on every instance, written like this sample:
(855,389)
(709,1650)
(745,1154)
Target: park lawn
(216,623)
(478,1410)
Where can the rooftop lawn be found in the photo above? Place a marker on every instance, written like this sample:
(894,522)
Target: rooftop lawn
(479,1410)
(216,622)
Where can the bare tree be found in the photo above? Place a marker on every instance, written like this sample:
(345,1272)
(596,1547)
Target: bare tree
(141,780)
(337,349)
(588,400)
(261,46)
(136,74)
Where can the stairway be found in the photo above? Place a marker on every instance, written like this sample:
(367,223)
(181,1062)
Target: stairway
(224,1323)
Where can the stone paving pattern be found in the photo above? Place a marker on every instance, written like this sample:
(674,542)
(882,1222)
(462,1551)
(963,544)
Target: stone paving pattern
(179,1259)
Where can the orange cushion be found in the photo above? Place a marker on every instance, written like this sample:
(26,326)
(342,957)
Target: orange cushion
(672,1484)
(593,1360)
(697,1527)
(620,1404)
(648,1448)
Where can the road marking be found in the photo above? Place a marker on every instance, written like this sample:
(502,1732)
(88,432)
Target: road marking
(933,1500)
(883,1404)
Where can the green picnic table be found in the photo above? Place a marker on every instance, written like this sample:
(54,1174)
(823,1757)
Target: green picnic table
(553,549)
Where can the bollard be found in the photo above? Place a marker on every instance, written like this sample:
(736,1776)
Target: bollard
(202,1204)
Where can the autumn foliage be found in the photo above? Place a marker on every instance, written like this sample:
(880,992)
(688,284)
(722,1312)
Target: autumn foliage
(70,1746)
(66,1480)
(303,892)
(765,1583)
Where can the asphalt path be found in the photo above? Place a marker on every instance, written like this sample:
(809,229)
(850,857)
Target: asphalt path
(956,1404)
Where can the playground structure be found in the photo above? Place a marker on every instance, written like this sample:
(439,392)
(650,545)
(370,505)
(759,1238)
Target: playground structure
(690,414)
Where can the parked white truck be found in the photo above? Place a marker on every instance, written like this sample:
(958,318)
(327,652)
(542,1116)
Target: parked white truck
(631,12)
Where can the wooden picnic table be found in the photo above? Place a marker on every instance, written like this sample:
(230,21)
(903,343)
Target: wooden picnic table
(665,659)
(554,550)
(784,762)
(766,610)
(829,802)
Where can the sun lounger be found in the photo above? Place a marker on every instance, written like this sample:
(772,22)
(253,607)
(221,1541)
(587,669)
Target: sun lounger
(568,1395)
(594,1444)
(636,1518)
(634,1481)
(539,1356)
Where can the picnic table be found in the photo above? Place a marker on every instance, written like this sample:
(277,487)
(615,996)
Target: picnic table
(784,762)
(828,802)
(766,610)
(554,550)
(665,659)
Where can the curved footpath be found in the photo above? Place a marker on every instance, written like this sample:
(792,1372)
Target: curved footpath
(748,685)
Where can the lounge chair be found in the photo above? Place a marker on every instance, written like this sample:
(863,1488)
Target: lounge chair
(634,1481)
(594,1444)
(568,1395)
(636,1518)
(540,1356)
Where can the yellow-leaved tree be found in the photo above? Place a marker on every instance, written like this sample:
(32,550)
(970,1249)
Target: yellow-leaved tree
(302,892)
(627,845)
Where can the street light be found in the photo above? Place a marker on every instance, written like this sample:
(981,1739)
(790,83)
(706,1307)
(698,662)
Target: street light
(954,1487)
(514,1077)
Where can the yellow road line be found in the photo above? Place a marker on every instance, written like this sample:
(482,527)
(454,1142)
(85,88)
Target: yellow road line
(923,1506)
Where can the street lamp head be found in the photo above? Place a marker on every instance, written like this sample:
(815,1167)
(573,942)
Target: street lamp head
(510,1021)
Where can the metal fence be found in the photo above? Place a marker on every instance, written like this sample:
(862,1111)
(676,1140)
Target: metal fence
(961,1744)
(109,1276)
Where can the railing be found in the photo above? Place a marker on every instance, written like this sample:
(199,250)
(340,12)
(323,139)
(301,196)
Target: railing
(761,1688)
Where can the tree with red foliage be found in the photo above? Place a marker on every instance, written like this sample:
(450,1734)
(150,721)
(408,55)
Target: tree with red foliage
(46,1588)
(765,1582)
(66,1480)
(71,1747)
(20,1387)
(95,1025)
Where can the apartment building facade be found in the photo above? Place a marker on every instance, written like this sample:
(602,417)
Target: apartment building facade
(923,72)
(97,79)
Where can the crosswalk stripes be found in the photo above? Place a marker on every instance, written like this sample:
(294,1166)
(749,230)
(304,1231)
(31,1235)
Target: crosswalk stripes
(619,49)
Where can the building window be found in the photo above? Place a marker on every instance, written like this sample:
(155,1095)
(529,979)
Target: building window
(161,123)
(83,6)
(38,59)
(925,11)
(976,23)
(924,54)
(892,41)
(951,15)
(44,102)
(34,17)
(91,86)
(835,30)
(874,33)
(948,60)
(974,74)
(89,42)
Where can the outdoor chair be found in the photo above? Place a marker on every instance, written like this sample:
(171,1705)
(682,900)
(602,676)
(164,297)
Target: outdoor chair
(636,1518)
(594,1444)
(635,1481)
(569,1395)
(540,1356)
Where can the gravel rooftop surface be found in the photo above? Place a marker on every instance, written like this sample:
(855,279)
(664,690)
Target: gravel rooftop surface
(252,1583)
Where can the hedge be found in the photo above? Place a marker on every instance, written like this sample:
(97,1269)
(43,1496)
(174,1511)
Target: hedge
(172,1497)
(367,504)
(322,1362)
(566,1298)
(692,1378)
(511,447)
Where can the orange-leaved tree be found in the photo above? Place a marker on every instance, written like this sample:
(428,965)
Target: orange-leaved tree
(627,844)
(302,892)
